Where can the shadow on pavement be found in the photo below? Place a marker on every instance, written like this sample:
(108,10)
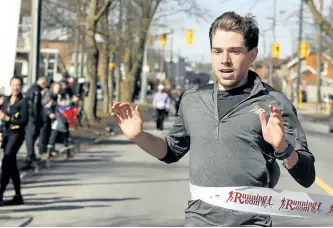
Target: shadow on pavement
(54,208)
(26,223)
(114,142)
(49,181)
(107,183)
(50,198)
(70,205)
(81,160)
(143,221)
(52,174)
(33,202)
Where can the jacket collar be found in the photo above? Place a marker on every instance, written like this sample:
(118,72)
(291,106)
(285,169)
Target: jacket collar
(257,87)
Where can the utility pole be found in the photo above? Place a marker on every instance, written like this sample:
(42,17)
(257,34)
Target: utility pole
(271,67)
(170,68)
(36,8)
(178,82)
(300,31)
(319,53)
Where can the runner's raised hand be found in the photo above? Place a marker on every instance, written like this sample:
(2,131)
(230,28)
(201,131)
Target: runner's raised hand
(128,118)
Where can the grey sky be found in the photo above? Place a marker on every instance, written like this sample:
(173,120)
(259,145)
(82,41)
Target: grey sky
(286,27)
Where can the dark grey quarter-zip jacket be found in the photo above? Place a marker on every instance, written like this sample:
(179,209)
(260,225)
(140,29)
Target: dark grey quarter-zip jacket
(231,151)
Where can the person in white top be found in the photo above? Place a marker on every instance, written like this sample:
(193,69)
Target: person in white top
(161,103)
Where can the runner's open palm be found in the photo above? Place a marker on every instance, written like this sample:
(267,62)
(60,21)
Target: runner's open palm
(273,129)
(128,118)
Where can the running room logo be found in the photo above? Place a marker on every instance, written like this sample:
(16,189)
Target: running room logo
(251,199)
(297,205)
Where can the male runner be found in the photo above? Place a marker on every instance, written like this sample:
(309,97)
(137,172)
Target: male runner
(234,129)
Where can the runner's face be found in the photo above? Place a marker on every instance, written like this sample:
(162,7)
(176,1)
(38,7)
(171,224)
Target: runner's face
(230,58)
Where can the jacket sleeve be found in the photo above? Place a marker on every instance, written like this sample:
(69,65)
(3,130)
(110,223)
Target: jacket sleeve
(304,170)
(32,97)
(178,139)
(22,118)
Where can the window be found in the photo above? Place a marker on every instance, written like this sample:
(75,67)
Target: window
(18,68)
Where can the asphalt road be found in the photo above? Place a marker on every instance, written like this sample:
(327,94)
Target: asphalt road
(115,184)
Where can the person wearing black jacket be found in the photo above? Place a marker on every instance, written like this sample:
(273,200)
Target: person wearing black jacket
(14,113)
(35,112)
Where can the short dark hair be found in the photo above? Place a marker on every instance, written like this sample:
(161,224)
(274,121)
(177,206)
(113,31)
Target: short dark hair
(17,78)
(62,97)
(231,21)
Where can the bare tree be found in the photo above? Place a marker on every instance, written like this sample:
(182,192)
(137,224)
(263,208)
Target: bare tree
(94,15)
(141,15)
(110,42)
(319,18)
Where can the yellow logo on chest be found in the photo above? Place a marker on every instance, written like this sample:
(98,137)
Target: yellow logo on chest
(257,110)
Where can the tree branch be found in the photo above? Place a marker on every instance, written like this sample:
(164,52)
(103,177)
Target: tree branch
(104,8)
(327,28)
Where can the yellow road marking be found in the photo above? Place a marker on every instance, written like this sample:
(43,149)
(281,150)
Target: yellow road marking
(324,186)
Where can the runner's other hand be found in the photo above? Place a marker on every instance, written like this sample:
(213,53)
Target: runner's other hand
(273,129)
(128,118)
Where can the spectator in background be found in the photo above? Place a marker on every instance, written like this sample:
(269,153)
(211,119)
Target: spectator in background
(178,96)
(161,103)
(81,91)
(14,114)
(60,127)
(35,123)
(66,90)
(49,105)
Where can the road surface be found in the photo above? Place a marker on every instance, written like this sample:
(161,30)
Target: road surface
(115,184)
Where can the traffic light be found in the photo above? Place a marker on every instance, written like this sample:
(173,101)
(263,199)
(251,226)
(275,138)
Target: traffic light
(275,50)
(163,40)
(189,36)
(305,49)
(150,40)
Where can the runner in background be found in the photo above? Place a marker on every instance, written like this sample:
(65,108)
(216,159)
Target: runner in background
(161,103)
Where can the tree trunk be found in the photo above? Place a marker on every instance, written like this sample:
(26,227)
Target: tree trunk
(137,78)
(92,60)
(126,88)
(132,65)
(104,58)
(110,88)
